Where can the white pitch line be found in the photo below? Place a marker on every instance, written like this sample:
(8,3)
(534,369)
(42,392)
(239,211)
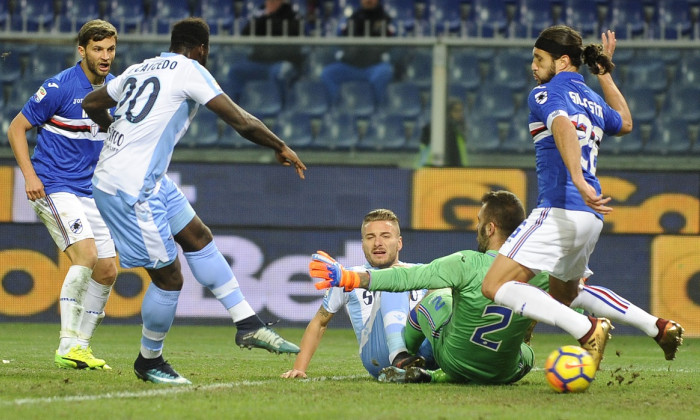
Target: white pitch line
(167,390)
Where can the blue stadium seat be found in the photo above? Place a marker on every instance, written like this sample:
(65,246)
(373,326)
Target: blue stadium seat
(673,137)
(484,134)
(512,69)
(630,19)
(590,18)
(261,98)
(494,101)
(392,132)
(683,102)
(299,129)
(645,74)
(356,98)
(688,72)
(675,19)
(308,96)
(74,14)
(36,15)
(519,140)
(642,104)
(340,133)
(419,68)
(220,15)
(403,99)
(167,12)
(624,145)
(10,64)
(464,69)
(128,16)
(204,130)
(534,15)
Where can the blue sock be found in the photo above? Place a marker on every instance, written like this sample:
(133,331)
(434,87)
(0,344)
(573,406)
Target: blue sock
(210,269)
(157,312)
(394,308)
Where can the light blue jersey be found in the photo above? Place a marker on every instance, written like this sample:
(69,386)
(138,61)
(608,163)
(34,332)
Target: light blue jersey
(567,95)
(68,142)
(363,308)
(157,99)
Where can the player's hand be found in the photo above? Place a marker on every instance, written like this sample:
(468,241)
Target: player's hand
(595,201)
(323,266)
(609,43)
(288,157)
(294,374)
(34,188)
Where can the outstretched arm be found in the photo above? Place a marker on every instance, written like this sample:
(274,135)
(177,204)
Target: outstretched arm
(309,343)
(612,94)
(254,130)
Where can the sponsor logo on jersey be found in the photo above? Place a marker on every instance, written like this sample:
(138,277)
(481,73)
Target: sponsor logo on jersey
(76,226)
(94,129)
(541,97)
(52,84)
(39,95)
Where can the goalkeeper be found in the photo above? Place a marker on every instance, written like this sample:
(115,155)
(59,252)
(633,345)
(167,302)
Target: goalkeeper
(473,339)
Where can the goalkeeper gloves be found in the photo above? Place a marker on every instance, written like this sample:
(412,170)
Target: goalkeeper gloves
(323,266)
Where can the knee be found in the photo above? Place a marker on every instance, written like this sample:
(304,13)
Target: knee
(105,272)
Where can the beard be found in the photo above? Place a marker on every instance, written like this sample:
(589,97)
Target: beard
(482,240)
(551,72)
(93,67)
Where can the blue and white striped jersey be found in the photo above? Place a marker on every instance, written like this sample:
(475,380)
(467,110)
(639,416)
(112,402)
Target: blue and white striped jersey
(157,99)
(68,142)
(567,94)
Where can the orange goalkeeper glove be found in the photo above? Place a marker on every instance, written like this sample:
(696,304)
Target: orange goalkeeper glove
(323,266)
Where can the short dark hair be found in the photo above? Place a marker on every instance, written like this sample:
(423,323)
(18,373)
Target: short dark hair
(504,209)
(96,30)
(189,33)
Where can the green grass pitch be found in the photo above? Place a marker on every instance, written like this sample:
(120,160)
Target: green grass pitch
(230,383)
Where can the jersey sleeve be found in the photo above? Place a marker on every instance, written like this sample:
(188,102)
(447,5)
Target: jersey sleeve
(613,121)
(546,104)
(443,272)
(201,86)
(334,299)
(44,103)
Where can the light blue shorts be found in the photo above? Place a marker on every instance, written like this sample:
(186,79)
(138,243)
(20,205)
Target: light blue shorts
(143,233)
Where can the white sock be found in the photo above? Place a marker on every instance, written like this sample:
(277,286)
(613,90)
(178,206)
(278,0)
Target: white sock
(94,304)
(534,303)
(602,302)
(241,310)
(71,305)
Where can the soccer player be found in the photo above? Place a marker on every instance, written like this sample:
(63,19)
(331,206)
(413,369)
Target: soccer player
(567,121)
(378,318)
(473,339)
(58,184)
(147,213)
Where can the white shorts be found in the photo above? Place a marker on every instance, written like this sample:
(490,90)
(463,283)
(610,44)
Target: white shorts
(70,219)
(555,240)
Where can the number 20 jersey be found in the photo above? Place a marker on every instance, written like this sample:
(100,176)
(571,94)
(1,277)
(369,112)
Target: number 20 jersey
(156,101)
(567,95)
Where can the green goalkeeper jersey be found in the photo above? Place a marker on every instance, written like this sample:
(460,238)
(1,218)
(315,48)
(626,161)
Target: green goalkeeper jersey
(481,342)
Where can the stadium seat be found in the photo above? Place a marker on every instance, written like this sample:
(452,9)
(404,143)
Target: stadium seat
(356,98)
(673,136)
(512,69)
(642,104)
(220,15)
(10,64)
(204,131)
(624,145)
(464,69)
(534,15)
(632,19)
(494,101)
(675,19)
(167,12)
(419,68)
(589,17)
(37,15)
(299,129)
(484,134)
(261,98)
(128,16)
(519,141)
(688,72)
(308,96)
(682,102)
(74,13)
(403,99)
(341,133)
(392,132)
(642,73)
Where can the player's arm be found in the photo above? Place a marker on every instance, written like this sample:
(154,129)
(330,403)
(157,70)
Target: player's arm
(566,140)
(611,93)
(17,135)
(309,343)
(254,130)
(97,104)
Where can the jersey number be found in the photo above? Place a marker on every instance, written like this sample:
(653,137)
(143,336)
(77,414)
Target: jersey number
(154,83)
(504,314)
